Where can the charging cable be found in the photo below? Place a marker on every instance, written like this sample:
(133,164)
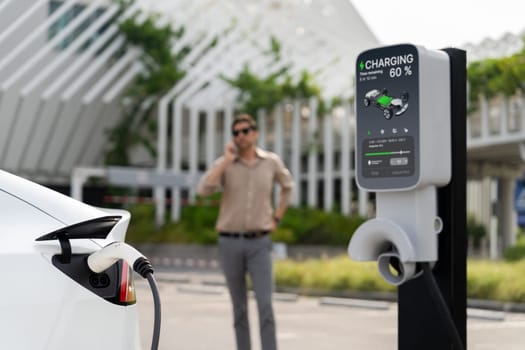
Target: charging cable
(443,310)
(110,254)
(156,302)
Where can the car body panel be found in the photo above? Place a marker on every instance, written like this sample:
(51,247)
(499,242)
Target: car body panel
(40,306)
(63,208)
(48,310)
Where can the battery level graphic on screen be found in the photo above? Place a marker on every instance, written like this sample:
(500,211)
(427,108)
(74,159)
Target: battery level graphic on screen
(386,153)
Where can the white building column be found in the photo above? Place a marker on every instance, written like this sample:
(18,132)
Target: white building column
(211,132)
(227,123)
(346,177)
(261,126)
(193,156)
(328,152)
(363,203)
(296,152)
(489,198)
(159,192)
(312,154)
(278,132)
(177,159)
(278,141)
(506,215)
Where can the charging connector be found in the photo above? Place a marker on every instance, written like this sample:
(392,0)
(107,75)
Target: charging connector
(110,254)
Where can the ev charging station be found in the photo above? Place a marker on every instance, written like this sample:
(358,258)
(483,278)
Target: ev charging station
(411,151)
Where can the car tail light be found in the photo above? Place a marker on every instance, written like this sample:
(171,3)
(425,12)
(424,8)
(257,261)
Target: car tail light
(127,294)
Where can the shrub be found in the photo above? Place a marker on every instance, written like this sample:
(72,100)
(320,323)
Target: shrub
(312,226)
(514,253)
(496,280)
(199,217)
(283,235)
(142,223)
(339,274)
(501,281)
(483,280)
(475,230)
(197,225)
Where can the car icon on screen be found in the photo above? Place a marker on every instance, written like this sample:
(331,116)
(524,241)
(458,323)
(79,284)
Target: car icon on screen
(388,104)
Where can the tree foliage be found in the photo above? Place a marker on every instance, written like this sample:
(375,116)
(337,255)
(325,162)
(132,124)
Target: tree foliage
(494,76)
(257,91)
(160,72)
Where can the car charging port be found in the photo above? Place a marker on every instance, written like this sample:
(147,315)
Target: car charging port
(114,284)
(99,280)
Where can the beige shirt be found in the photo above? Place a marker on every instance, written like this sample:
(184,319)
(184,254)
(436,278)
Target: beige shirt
(246,203)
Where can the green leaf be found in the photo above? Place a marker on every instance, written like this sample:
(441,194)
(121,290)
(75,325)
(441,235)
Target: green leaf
(161,72)
(256,92)
(494,76)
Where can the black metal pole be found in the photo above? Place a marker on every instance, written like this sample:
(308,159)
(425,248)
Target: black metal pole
(419,322)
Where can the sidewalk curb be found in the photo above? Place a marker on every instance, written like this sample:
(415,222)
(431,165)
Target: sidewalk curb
(359,303)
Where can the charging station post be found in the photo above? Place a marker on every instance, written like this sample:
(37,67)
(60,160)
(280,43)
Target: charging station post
(411,151)
(419,322)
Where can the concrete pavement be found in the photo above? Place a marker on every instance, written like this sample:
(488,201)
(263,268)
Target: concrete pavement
(197,316)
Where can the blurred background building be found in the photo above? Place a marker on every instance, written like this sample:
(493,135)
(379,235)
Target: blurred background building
(66,70)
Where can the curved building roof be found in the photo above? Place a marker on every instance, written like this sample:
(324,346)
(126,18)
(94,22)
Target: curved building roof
(63,72)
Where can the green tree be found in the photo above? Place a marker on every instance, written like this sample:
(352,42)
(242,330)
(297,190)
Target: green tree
(257,92)
(161,70)
(494,76)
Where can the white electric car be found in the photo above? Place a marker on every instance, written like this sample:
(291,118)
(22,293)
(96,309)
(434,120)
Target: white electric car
(49,298)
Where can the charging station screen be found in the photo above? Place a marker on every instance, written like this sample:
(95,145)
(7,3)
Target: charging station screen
(387,108)
(389,156)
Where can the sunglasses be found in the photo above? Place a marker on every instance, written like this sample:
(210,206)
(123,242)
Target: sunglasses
(245,131)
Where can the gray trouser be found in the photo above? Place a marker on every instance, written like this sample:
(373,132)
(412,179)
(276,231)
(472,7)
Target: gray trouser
(238,256)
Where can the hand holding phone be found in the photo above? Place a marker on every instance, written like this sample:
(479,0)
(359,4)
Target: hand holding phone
(230,151)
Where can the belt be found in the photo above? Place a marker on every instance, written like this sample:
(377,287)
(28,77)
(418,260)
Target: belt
(247,235)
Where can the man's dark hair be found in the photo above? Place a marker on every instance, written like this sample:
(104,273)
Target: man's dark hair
(244,118)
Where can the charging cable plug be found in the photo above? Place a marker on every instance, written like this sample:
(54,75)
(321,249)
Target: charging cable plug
(110,254)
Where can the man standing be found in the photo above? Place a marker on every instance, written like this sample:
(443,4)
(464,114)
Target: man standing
(246,174)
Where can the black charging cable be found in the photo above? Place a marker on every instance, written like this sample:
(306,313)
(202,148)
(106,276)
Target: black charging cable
(144,268)
(443,310)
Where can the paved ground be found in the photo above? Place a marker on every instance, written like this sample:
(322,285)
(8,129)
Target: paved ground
(198,317)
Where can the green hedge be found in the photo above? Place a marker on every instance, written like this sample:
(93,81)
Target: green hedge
(196,226)
(514,253)
(475,229)
(311,226)
(496,280)
(337,274)
(502,281)
(299,226)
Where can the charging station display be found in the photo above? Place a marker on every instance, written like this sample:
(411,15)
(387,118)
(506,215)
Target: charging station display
(387,109)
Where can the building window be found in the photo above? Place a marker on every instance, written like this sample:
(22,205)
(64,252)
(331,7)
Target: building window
(62,22)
